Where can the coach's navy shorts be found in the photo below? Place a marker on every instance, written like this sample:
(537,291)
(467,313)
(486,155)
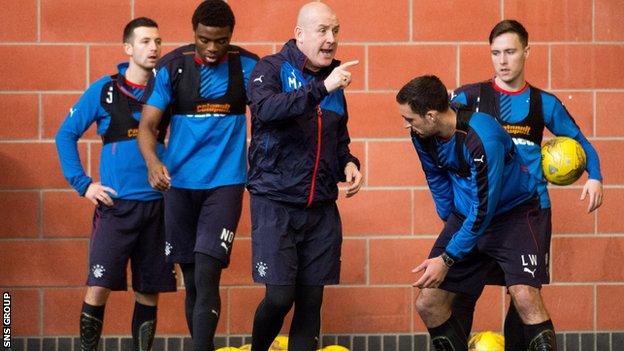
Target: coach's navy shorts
(516,241)
(295,245)
(130,230)
(202,221)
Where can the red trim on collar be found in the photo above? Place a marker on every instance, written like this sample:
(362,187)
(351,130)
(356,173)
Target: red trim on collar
(125,92)
(507,92)
(135,85)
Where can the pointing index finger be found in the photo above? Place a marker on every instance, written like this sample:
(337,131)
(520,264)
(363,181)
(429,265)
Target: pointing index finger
(349,64)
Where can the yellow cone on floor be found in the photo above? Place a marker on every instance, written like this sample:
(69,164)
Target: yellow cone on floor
(279,344)
(334,348)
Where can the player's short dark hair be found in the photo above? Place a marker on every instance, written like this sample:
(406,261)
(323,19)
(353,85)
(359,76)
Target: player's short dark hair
(423,94)
(136,23)
(510,26)
(213,13)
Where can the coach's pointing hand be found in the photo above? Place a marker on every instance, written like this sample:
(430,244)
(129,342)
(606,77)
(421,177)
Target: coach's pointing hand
(339,77)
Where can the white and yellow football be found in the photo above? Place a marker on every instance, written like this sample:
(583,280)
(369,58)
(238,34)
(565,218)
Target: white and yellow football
(563,160)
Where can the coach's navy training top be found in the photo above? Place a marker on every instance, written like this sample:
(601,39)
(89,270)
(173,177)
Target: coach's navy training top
(498,181)
(121,165)
(299,138)
(556,119)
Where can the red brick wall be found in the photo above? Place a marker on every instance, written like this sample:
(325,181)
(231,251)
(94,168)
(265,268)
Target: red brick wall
(53,49)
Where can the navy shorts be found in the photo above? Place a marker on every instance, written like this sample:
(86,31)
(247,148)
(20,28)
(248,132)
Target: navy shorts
(130,230)
(202,221)
(496,275)
(293,245)
(511,251)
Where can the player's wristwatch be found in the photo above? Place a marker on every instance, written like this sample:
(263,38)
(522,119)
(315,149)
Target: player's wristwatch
(448,260)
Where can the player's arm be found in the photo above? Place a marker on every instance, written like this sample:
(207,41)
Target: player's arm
(80,117)
(148,133)
(442,191)
(438,181)
(561,123)
(487,179)
(464,95)
(158,96)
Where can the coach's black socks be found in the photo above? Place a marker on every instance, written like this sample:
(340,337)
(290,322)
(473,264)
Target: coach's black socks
(514,330)
(306,323)
(91,320)
(449,336)
(270,315)
(540,337)
(143,326)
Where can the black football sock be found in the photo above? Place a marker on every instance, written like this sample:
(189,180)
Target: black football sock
(514,330)
(208,301)
(188,274)
(463,309)
(143,326)
(270,315)
(448,336)
(306,323)
(91,321)
(540,337)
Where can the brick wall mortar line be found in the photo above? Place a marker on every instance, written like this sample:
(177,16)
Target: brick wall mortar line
(381,139)
(366,70)
(343,43)
(593,24)
(27,141)
(412,211)
(35,190)
(89,170)
(40,214)
(589,236)
(397,236)
(595,301)
(457,65)
(549,67)
(366,180)
(589,90)
(50,92)
(40,116)
(87,65)
(367,250)
(132,5)
(41,306)
(410,18)
(46,239)
(412,312)
(45,141)
(502,9)
(392,188)
(38,21)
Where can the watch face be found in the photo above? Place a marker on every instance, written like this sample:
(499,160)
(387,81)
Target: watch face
(447,260)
